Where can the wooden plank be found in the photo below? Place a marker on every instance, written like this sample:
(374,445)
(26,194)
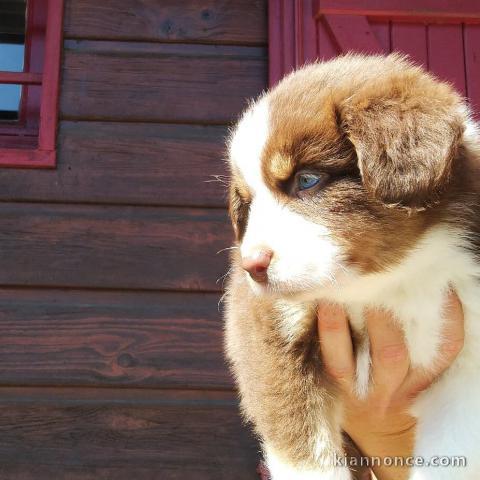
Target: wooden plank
(292,37)
(326,45)
(289,44)
(307,31)
(353,34)
(381,31)
(159,82)
(411,38)
(23,78)
(90,435)
(275,43)
(128,163)
(142,339)
(112,247)
(445,54)
(414,10)
(472,64)
(19,156)
(216,21)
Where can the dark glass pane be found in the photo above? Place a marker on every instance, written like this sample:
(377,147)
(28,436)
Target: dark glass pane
(12,51)
(10,101)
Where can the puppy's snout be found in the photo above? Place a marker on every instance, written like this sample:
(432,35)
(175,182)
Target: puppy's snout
(257,263)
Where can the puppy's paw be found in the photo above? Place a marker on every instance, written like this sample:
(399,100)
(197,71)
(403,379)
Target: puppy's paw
(279,470)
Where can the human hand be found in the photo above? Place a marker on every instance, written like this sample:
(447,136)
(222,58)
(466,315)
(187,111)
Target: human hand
(380,424)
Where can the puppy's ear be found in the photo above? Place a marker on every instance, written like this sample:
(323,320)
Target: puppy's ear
(406,129)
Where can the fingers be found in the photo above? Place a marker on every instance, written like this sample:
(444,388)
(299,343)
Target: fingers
(453,332)
(391,370)
(389,354)
(453,335)
(336,344)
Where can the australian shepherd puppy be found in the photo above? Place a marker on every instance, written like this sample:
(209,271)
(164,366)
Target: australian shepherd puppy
(353,181)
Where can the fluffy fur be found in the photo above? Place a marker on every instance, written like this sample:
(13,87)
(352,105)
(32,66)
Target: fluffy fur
(394,224)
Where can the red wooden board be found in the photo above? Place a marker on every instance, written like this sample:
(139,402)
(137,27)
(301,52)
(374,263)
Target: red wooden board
(442,35)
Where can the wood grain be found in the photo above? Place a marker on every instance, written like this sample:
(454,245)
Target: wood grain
(90,435)
(142,339)
(446,54)
(112,247)
(159,82)
(411,38)
(471,38)
(219,21)
(353,33)
(128,163)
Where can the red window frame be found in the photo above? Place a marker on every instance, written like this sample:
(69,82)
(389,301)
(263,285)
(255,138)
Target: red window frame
(31,141)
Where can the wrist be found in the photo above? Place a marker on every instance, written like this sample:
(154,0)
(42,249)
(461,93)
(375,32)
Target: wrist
(385,441)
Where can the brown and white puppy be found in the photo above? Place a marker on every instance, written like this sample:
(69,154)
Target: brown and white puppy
(354,181)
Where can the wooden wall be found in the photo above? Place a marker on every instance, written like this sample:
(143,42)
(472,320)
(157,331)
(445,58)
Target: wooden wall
(111,345)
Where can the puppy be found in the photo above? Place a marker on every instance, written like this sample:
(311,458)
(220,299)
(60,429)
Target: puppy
(354,181)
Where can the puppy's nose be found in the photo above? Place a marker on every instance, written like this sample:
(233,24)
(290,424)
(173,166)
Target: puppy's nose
(257,264)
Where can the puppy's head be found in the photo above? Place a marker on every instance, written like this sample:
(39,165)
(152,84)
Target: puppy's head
(340,169)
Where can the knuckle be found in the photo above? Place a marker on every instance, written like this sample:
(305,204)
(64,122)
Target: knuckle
(339,373)
(392,353)
(332,324)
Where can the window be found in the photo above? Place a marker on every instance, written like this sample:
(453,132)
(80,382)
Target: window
(30,46)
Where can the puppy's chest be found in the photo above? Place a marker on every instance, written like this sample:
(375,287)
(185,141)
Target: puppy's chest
(420,318)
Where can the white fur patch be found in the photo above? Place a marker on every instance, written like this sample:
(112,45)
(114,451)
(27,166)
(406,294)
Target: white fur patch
(362,375)
(304,254)
(293,315)
(281,471)
(247,143)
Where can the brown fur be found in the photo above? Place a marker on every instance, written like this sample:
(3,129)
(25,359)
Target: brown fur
(388,136)
(269,370)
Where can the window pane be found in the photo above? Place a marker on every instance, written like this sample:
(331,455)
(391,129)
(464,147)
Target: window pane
(11,56)
(12,34)
(10,101)
(12,51)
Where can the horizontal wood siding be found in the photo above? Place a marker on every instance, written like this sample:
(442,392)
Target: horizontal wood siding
(92,338)
(128,163)
(111,346)
(112,247)
(209,21)
(139,82)
(67,434)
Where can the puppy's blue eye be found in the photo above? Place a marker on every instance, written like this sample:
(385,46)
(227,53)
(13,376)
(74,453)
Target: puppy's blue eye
(307,180)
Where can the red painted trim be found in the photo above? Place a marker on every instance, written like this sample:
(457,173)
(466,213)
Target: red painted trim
(23,78)
(291,27)
(34,58)
(275,50)
(51,76)
(15,130)
(27,158)
(353,33)
(42,67)
(435,11)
